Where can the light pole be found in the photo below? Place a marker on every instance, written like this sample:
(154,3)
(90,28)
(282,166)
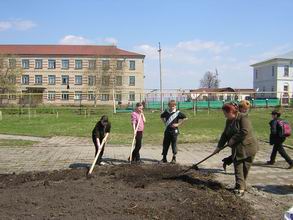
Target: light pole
(161,89)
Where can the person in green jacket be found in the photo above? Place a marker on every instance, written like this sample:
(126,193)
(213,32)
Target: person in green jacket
(238,134)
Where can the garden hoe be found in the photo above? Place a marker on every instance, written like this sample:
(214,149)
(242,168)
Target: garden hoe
(97,156)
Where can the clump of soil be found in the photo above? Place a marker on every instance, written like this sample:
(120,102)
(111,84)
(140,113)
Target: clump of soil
(119,192)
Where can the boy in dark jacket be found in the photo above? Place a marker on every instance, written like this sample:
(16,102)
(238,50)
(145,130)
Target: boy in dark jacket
(277,140)
(172,120)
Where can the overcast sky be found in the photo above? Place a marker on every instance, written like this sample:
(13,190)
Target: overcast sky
(196,36)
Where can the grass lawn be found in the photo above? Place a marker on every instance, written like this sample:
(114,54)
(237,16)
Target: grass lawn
(202,127)
(16,143)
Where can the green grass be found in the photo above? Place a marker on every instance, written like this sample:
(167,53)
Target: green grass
(202,127)
(16,143)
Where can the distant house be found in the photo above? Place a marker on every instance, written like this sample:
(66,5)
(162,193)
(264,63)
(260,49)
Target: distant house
(221,94)
(273,78)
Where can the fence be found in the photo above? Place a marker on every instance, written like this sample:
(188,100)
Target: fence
(150,98)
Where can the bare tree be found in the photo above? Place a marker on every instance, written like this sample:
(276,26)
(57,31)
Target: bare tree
(210,80)
(9,71)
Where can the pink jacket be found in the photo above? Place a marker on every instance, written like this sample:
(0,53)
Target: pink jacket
(134,120)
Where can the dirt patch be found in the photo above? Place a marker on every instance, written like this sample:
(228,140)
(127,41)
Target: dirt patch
(119,192)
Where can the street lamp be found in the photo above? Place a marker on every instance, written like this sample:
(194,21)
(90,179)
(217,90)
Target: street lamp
(161,90)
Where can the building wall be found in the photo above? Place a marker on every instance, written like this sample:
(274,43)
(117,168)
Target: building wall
(271,84)
(99,72)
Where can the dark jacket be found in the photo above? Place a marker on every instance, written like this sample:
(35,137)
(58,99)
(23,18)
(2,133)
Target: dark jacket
(239,135)
(99,130)
(276,130)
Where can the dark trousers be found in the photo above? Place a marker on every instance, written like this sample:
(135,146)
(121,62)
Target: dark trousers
(241,168)
(138,140)
(278,147)
(169,138)
(97,149)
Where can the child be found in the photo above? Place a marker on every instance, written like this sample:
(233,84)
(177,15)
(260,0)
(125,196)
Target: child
(137,116)
(172,120)
(277,140)
(101,131)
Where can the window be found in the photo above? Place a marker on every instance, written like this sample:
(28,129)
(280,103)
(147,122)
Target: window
(25,64)
(91,80)
(64,95)
(25,79)
(78,64)
(65,80)
(105,80)
(92,64)
(263,88)
(131,65)
(119,64)
(286,71)
(256,73)
(11,97)
(38,64)
(12,63)
(77,95)
(91,95)
(118,96)
(51,79)
(78,80)
(38,79)
(273,88)
(131,96)
(273,71)
(286,88)
(132,80)
(51,64)
(118,80)
(51,95)
(105,64)
(105,97)
(65,64)
(12,79)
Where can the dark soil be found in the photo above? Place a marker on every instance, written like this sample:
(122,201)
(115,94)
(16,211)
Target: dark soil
(119,192)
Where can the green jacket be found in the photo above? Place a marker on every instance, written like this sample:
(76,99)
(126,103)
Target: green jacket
(239,135)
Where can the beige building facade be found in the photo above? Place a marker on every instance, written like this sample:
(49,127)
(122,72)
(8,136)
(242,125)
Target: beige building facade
(75,74)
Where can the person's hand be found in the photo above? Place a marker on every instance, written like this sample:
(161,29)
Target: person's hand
(175,125)
(217,150)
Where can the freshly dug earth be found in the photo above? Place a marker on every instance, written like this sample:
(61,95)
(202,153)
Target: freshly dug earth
(119,192)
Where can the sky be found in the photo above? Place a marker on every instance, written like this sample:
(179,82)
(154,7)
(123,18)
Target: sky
(196,36)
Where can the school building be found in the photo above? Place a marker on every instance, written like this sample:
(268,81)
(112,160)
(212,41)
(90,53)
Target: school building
(273,78)
(75,74)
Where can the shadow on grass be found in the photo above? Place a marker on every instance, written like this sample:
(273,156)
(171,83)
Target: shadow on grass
(276,189)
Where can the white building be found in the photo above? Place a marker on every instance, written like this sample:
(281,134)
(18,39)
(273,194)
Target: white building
(273,78)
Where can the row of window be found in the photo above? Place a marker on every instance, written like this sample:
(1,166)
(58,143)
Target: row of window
(90,96)
(78,80)
(286,71)
(285,88)
(78,64)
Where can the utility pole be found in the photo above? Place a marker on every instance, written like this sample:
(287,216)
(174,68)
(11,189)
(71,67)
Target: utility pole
(161,89)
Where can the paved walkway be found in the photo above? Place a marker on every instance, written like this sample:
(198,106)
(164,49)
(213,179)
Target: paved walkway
(72,152)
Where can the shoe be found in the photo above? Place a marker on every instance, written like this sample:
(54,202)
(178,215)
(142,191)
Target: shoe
(164,160)
(173,161)
(224,166)
(290,166)
(239,192)
(102,163)
(270,162)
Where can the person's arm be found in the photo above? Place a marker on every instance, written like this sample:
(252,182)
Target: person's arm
(223,140)
(98,141)
(163,117)
(182,118)
(245,126)
(143,117)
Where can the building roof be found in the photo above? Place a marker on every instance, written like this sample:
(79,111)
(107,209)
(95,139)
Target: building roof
(285,56)
(70,50)
(226,89)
